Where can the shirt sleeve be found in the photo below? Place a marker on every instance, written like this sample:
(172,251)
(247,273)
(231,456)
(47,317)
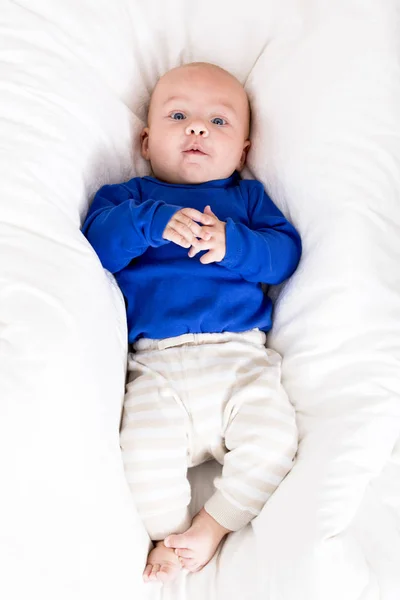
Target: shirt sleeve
(121,226)
(268,249)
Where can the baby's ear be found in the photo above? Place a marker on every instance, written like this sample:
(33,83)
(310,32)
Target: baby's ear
(144,142)
(246,148)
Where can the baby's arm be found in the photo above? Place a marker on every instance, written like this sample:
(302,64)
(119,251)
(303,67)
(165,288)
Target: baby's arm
(265,251)
(120,226)
(268,249)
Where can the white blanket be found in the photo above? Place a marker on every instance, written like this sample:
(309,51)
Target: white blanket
(323,78)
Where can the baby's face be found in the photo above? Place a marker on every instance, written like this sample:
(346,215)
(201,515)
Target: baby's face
(198,125)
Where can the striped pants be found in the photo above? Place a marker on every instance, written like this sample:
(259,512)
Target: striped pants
(196,397)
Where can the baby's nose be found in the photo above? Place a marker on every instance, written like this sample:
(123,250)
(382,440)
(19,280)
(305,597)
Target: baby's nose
(197,128)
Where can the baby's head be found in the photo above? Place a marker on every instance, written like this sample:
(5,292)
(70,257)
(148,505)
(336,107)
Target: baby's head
(198,125)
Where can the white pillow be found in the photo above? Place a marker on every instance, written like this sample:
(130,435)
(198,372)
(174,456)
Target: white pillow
(323,81)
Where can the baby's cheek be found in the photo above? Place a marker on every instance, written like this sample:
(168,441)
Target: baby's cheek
(159,150)
(166,148)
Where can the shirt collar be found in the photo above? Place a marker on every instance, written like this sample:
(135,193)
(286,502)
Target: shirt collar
(214,183)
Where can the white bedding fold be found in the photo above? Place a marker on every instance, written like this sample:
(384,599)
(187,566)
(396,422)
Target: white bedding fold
(324,86)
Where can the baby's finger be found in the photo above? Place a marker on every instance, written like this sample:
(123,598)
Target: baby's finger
(192,252)
(207,233)
(204,234)
(187,222)
(208,211)
(208,258)
(184,231)
(200,245)
(173,236)
(196,215)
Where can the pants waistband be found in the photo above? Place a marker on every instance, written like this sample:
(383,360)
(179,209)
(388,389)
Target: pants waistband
(254,336)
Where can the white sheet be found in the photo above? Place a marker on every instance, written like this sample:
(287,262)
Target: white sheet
(324,83)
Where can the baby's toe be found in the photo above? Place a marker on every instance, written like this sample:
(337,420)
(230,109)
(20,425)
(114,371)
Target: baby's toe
(184,552)
(154,571)
(178,540)
(147,572)
(168,572)
(191,564)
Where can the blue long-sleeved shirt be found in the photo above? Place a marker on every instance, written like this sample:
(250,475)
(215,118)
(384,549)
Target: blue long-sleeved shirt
(166,292)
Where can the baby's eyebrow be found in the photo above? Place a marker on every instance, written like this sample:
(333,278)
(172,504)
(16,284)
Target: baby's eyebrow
(175,99)
(226,105)
(218,104)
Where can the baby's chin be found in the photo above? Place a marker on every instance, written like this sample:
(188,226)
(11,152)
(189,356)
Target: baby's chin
(192,176)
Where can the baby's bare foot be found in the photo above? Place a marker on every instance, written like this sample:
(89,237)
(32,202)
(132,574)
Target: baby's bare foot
(162,564)
(198,544)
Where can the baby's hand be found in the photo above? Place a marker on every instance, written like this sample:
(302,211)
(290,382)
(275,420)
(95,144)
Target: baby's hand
(183,230)
(216,243)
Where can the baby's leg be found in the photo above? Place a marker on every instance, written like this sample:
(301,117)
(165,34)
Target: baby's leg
(260,438)
(154,452)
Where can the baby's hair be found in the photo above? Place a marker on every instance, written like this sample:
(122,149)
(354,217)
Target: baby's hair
(145,105)
(143,109)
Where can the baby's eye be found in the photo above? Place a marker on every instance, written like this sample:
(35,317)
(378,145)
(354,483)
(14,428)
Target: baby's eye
(218,121)
(178,116)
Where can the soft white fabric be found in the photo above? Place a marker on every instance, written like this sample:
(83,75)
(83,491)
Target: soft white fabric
(323,78)
(197,397)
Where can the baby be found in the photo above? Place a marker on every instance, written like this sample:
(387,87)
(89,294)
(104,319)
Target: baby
(190,247)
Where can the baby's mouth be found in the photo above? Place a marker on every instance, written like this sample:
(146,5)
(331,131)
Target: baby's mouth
(195,151)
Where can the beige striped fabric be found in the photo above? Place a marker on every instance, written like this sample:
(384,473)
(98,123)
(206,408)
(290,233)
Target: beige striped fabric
(201,396)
